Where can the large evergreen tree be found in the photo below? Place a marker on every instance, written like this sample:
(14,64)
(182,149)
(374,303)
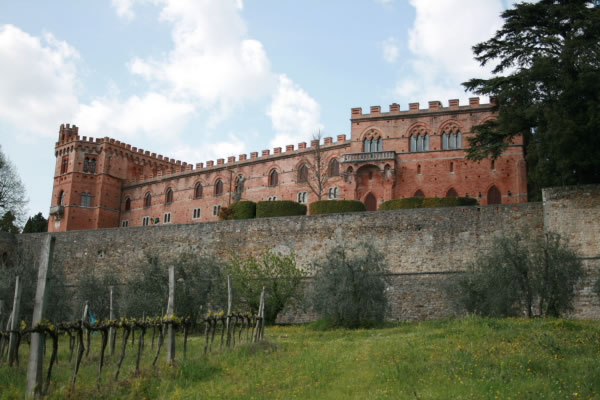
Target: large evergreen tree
(547,83)
(37,223)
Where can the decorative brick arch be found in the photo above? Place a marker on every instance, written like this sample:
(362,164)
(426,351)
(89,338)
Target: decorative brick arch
(450,126)
(418,129)
(371,132)
(451,192)
(198,189)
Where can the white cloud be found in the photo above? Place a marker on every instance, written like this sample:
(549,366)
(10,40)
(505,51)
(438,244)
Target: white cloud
(152,114)
(40,80)
(441,40)
(123,8)
(390,49)
(232,146)
(294,114)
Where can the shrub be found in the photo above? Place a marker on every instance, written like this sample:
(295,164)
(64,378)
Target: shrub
(336,206)
(279,275)
(279,208)
(226,213)
(349,289)
(400,204)
(243,209)
(538,276)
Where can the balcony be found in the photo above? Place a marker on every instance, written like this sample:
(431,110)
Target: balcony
(57,211)
(364,157)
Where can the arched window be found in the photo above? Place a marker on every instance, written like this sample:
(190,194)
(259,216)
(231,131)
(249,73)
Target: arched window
(61,198)
(127,204)
(169,196)
(218,187)
(93,166)
(303,173)
(451,193)
(419,169)
(419,193)
(86,164)
(64,165)
(334,168)
(451,166)
(419,139)
(273,177)
(494,196)
(198,190)
(493,165)
(333,193)
(147,200)
(451,137)
(373,142)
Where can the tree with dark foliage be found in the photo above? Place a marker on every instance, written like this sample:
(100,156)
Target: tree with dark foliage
(37,223)
(547,84)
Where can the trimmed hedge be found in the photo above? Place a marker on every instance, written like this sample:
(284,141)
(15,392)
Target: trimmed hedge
(427,202)
(336,206)
(279,208)
(243,209)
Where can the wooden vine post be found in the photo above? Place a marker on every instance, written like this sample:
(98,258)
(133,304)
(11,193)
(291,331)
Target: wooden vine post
(15,317)
(228,320)
(111,330)
(170,314)
(36,353)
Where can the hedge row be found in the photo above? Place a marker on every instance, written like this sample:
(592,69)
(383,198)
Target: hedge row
(279,208)
(336,206)
(427,202)
(243,209)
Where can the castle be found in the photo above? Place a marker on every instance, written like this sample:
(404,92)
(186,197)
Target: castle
(104,183)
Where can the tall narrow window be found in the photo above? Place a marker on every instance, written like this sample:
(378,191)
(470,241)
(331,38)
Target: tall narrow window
(333,193)
(493,165)
(334,168)
(451,137)
(169,196)
(86,164)
(147,200)
(64,165)
(366,146)
(218,187)
(198,190)
(413,143)
(380,144)
(86,199)
(303,173)
(127,204)
(419,169)
(273,178)
(451,167)
(93,166)
(419,142)
(61,198)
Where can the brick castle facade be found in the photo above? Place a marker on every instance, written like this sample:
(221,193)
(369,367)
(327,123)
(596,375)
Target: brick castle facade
(104,183)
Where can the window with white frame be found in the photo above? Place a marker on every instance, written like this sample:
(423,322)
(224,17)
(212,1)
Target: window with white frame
(334,193)
(216,210)
(167,218)
(145,221)
(124,223)
(196,213)
(272,198)
(302,197)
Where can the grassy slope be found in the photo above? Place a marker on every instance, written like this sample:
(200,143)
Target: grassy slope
(470,358)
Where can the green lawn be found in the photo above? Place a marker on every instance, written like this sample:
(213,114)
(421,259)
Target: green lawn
(471,358)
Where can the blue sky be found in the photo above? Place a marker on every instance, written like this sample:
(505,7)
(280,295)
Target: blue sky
(204,79)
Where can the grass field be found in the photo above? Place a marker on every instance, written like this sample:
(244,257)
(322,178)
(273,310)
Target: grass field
(471,358)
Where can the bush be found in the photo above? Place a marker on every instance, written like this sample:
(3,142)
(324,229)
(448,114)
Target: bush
(225,214)
(244,209)
(400,204)
(279,275)
(279,208)
(427,202)
(336,206)
(538,277)
(349,289)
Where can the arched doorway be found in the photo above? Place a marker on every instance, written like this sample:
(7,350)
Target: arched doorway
(494,196)
(371,202)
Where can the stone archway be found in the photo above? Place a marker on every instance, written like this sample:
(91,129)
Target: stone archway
(371,202)
(494,196)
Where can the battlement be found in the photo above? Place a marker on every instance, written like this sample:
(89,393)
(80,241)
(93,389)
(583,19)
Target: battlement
(414,108)
(184,168)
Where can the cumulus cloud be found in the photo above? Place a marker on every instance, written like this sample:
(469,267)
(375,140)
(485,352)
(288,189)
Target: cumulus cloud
(39,87)
(294,114)
(231,146)
(123,8)
(390,49)
(152,114)
(441,40)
